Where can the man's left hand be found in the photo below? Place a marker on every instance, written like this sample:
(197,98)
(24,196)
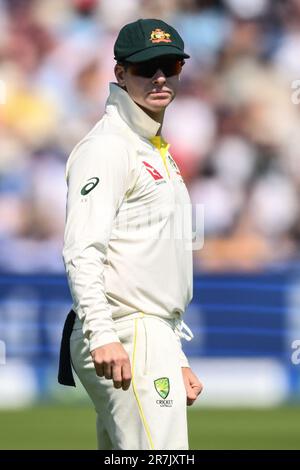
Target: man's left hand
(192,384)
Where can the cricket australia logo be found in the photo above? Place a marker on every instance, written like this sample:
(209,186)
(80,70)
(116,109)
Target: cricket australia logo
(162,386)
(159,35)
(175,167)
(173,164)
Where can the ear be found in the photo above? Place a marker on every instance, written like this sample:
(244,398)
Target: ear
(120,74)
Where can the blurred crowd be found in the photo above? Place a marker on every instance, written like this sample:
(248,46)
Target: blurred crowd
(233,129)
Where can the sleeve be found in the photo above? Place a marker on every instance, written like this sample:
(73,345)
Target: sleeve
(99,174)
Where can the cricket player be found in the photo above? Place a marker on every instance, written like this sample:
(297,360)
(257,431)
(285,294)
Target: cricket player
(128,256)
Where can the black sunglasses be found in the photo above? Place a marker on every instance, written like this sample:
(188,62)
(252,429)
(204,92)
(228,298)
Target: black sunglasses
(147,69)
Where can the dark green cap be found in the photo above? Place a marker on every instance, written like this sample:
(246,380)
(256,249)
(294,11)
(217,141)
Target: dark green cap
(147,39)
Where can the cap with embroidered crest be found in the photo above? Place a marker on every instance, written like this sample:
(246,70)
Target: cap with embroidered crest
(147,39)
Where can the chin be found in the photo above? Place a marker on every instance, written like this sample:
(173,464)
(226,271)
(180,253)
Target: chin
(158,105)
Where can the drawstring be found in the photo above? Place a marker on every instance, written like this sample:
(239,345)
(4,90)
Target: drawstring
(182,330)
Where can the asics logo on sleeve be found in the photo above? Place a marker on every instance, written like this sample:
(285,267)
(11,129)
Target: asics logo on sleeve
(89,186)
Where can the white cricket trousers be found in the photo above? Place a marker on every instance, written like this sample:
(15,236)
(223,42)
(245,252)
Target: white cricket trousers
(151,414)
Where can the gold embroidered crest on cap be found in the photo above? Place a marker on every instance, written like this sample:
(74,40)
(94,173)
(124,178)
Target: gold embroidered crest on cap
(159,36)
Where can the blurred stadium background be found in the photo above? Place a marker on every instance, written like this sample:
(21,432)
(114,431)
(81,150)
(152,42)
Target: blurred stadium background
(234,132)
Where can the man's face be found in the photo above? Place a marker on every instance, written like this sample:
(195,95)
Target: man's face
(152,84)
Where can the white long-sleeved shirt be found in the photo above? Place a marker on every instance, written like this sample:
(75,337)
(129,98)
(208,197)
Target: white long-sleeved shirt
(127,244)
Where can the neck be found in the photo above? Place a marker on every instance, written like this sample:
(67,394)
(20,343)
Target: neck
(156,116)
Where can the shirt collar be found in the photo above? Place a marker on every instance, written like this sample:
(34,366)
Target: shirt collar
(131,113)
(159,142)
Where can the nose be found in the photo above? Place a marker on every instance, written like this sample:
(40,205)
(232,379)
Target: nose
(159,77)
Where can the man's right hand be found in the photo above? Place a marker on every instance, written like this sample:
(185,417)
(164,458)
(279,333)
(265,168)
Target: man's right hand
(112,362)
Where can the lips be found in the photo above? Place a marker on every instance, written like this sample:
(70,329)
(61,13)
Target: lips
(161,92)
